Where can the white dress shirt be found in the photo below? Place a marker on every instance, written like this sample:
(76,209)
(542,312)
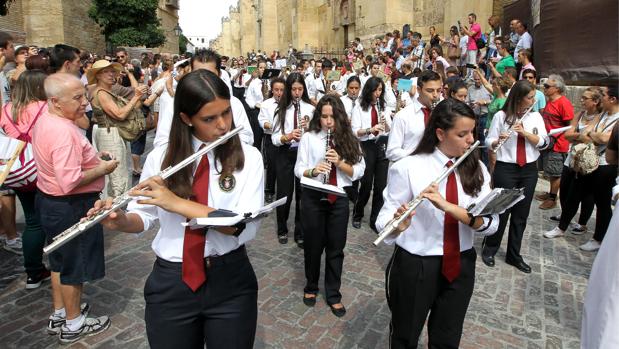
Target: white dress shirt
(246,196)
(533,123)
(341,84)
(166,114)
(406,131)
(309,84)
(267,114)
(349,104)
(312,150)
(424,236)
(240,118)
(253,95)
(319,87)
(362,119)
(306,110)
(525,41)
(244,78)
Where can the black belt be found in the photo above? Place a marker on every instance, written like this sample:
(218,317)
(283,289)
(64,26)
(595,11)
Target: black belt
(210,261)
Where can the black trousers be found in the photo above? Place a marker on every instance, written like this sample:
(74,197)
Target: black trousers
(509,175)
(222,313)
(287,184)
(252,114)
(239,93)
(324,227)
(575,191)
(270,155)
(602,182)
(374,180)
(415,286)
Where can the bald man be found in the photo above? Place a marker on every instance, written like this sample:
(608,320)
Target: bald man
(70,177)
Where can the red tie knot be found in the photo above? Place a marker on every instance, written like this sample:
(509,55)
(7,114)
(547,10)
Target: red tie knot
(449,163)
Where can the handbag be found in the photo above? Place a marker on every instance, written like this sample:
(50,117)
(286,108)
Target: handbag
(453,51)
(129,129)
(23,172)
(585,158)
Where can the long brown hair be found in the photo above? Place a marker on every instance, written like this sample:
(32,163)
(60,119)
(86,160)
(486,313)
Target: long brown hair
(444,117)
(346,144)
(27,89)
(195,90)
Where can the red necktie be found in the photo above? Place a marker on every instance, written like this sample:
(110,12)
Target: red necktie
(295,117)
(451,236)
(332,179)
(194,272)
(374,118)
(426,115)
(521,154)
(241,79)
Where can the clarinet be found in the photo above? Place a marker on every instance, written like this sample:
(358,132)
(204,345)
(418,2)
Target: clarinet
(392,225)
(298,116)
(325,178)
(511,131)
(122,200)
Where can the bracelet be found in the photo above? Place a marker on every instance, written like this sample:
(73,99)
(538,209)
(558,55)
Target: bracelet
(472,219)
(239,228)
(311,172)
(284,139)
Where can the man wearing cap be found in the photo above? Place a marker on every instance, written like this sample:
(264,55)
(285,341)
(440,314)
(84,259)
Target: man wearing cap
(70,177)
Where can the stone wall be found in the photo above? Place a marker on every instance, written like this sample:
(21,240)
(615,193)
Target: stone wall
(248,26)
(13,23)
(78,29)
(169,19)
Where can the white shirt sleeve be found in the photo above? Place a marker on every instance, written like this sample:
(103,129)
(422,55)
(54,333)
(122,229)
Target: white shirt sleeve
(240,118)
(397,192)
(395,146)
(303,156)
(356,120)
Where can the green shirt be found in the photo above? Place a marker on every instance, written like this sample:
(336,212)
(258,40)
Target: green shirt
(507,61)
(494,107)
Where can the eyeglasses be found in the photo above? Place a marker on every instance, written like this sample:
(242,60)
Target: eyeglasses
(120,56)
(583,98)
(530,77)
(548,86)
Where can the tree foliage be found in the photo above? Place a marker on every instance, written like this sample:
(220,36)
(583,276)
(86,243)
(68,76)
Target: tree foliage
(128,22)
(182,44)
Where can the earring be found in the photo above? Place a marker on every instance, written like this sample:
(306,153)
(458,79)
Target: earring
(190,125)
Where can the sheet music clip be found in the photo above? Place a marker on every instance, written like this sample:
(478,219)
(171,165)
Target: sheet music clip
(497,201)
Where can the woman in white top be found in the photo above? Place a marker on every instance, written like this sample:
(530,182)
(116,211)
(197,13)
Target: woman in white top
(371,122)
(336,160)
(291,117)
(516,167)
(203,288)
(603,178)
(432,269)
(574,187)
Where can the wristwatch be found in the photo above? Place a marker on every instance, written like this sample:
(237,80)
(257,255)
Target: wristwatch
(239,228)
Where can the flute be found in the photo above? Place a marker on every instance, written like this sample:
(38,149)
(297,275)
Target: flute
(393,224)
(510,132)
(325,178)
(123,200)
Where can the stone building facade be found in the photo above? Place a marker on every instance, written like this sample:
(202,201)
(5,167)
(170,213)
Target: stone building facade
(48,22)
(327,25)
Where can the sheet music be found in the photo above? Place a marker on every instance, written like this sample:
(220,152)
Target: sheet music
(558,130)
(325,188)
(496,202)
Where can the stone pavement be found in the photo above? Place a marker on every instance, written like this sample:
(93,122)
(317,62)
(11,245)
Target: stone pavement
(509,309)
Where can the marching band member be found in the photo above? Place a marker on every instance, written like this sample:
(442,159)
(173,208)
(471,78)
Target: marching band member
(372,128)
(254,97)
(267,113)
(202,289)
(516,167)
(290,121)
(433,264)
(211,60)
(312,74)
(333,156)
(351,98)
(321,85)
(410,122)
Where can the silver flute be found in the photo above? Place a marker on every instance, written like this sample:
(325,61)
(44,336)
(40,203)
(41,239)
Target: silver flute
(511,131)
(297,103)
(393,224)
(122,200)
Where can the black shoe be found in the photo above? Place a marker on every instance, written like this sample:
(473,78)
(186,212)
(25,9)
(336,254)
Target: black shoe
(339,312)
(282,238)
(373,227)
(488,260)
(299,242)
(356,224)
(35,281)
(520,265)
(309,301)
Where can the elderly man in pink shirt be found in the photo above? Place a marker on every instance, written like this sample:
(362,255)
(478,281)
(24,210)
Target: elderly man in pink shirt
(70,179)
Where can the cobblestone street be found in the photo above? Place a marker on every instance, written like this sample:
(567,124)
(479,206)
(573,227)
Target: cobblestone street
(509,309)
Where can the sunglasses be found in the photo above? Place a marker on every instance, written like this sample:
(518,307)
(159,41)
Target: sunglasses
(120,56)
(548,86)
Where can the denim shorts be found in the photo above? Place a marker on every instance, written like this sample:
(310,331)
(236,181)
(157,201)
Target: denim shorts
(81,259)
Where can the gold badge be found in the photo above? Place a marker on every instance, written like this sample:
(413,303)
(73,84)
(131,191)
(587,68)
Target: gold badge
(535,130)
(227,183)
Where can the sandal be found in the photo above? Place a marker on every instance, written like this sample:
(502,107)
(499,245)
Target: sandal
(309,299)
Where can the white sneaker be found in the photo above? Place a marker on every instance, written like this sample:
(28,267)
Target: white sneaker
(554,233)
(590,246)
(14,246)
